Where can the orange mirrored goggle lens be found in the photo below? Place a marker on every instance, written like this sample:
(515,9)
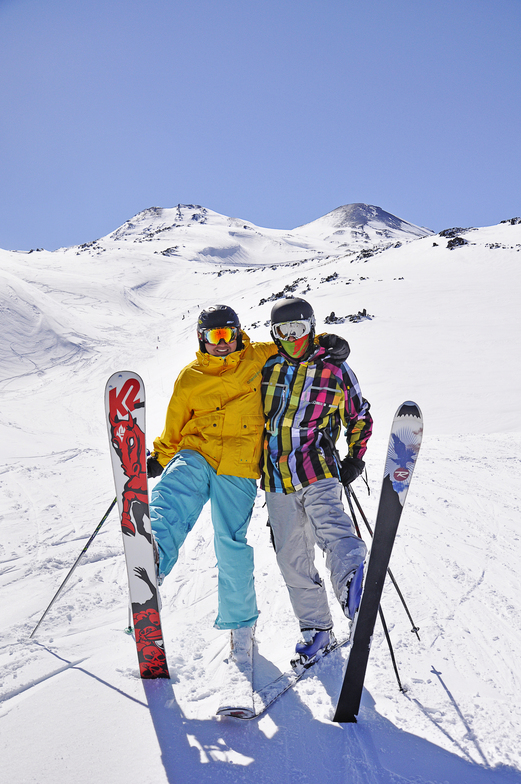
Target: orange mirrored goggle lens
(215,335)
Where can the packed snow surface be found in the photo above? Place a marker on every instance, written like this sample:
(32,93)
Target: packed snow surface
(432,318)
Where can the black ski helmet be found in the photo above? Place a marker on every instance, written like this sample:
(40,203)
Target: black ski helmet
(217,316)
(292,309)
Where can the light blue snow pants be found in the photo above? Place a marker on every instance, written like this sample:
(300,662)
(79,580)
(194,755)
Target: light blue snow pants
(313,515)
(186,484)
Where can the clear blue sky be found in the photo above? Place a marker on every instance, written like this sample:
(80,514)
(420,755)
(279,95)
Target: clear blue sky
(275,111)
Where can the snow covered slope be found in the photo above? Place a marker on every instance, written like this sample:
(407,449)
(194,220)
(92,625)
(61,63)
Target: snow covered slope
(432,318)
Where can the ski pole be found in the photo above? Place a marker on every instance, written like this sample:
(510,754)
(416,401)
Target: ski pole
(349,491)
(380,611)
(76,562)
(391,649)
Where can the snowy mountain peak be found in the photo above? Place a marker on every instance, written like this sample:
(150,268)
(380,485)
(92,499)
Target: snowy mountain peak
(156,220)
(194,231)
(364,220)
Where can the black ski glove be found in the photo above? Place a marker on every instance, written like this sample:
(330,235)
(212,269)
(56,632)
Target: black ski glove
(154,467)
(337,349)
(350,469)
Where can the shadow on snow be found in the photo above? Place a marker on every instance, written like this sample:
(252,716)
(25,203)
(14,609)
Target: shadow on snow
(302,749)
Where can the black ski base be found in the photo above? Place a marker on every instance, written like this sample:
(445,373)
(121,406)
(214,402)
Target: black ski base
(403,448)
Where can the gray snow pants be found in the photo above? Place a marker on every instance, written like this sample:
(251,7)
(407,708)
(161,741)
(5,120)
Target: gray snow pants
(314,514)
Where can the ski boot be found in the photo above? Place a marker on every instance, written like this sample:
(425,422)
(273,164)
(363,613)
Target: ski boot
(314,643)
(352,593)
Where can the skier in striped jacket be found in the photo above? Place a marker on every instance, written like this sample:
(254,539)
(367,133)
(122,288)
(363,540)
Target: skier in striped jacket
(307,399)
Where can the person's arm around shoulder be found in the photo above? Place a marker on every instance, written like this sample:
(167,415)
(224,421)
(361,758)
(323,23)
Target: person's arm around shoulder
(263,351)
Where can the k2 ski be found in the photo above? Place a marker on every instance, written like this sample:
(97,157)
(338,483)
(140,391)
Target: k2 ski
(125,415)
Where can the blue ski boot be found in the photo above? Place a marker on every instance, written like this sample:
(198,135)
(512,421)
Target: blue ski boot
(313,644)
(353,592)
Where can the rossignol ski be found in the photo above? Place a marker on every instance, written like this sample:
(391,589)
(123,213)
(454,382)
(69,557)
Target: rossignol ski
(125,415)
(402,451)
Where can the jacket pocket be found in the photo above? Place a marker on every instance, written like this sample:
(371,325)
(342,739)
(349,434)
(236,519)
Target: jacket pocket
(206,427)
(251,438)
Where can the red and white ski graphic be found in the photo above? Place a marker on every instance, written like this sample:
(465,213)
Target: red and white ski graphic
(125,415)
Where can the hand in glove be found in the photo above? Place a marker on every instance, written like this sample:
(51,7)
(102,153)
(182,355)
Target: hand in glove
(154,467)
(337,349)
(350,469)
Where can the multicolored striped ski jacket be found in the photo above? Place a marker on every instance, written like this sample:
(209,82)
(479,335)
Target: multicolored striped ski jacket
(305,406)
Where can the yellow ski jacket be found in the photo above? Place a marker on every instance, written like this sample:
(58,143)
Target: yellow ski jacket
(216,410)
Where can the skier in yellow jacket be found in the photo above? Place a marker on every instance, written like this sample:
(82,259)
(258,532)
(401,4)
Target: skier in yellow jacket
(210,450)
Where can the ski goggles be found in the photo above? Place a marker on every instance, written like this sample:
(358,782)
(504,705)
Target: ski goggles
(292,329)
(216,334)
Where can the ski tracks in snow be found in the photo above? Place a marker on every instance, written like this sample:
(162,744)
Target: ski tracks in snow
(455,561)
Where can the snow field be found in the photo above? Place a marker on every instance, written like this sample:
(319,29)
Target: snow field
(443,331)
